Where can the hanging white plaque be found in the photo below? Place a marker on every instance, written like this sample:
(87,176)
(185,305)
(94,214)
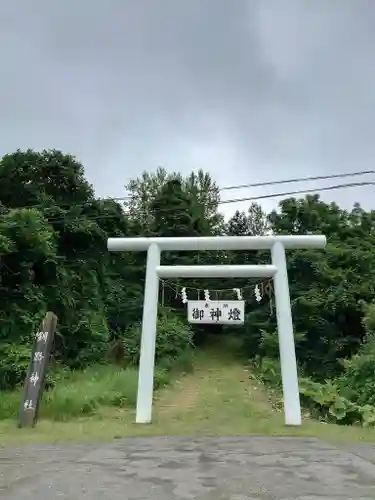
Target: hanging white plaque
(216,311)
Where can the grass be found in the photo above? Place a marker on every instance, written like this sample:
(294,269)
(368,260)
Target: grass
(218,398)
(80,394)
(85,393)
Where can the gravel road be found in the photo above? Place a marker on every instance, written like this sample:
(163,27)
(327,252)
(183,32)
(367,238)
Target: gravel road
(181,468)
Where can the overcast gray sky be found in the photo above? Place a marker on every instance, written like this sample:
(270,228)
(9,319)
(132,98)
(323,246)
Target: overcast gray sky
(249,90)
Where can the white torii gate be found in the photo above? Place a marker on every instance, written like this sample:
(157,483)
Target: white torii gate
(278,271)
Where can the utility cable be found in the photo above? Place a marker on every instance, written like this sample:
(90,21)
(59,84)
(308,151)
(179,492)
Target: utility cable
(221,202)
(298,179)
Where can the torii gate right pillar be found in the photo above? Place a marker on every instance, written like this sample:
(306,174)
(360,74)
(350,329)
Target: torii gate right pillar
(288,362)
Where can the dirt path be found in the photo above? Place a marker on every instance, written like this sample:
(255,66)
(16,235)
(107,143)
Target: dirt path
(216,396)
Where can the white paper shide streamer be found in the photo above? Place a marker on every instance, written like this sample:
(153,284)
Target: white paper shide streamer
(207,295)
(238,293)
(258,295)
(184,295)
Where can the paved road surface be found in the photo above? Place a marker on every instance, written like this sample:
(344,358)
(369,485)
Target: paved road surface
(180,468)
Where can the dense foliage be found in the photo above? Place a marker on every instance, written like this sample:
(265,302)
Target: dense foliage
(53,256)
(346,399)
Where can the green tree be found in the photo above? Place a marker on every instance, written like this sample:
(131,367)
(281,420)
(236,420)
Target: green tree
(53,255)
(175,213)
(28,257)
(252,223)
(143,190)
(42,178)
(327,287)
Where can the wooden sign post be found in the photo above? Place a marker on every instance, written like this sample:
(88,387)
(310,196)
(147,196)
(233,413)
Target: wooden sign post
(34,382)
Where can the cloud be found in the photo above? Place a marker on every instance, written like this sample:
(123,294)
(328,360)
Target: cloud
(249,90)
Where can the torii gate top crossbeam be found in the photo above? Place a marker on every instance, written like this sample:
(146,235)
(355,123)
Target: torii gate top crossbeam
(204,243)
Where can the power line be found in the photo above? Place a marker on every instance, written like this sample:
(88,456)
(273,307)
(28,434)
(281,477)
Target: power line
(298,179)
(241,186)
(236,200)
(291,193)
(282,181)
(232,200)
(300,191)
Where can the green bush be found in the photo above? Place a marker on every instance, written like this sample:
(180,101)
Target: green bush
(269,343)
(347,399)
(88,342)
(15,359)
(183,364)
(268,369)
(324,401)
(174,340)
(357,382)
(369,324)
